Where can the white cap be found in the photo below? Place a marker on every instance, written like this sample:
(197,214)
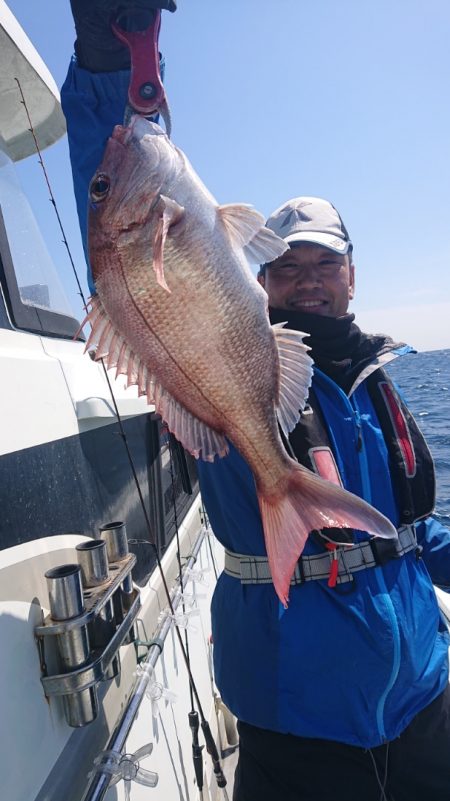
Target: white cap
(310,219)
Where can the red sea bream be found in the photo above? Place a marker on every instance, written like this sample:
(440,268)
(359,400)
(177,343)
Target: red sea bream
(180,313)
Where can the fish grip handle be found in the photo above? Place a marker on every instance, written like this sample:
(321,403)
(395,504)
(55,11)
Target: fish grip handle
(146,93)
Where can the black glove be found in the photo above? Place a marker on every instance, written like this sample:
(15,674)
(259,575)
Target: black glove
(96,46)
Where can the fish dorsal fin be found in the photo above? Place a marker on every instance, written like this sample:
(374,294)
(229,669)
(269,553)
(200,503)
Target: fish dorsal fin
(295,375)
(170,213)
(245,227)
(198,438)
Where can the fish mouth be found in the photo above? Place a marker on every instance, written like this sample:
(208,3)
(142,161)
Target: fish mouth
(122,134)
(137,129)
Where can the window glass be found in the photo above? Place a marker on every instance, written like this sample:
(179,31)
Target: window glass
(37,278)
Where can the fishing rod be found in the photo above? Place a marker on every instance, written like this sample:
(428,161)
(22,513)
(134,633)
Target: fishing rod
(211,746)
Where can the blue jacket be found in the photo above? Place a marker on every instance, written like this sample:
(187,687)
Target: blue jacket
(353,664)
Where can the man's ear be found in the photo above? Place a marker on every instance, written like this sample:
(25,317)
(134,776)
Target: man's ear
(261,279)
(351,287)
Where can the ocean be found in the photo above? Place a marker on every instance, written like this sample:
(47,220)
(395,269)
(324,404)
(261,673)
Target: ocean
(424,381)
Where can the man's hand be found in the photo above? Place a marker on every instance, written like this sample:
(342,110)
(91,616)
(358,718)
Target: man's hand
(96,46)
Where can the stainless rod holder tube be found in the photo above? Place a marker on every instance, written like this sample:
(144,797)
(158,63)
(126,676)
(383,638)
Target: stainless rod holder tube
(93,560)
(64,592)
(115,536)
(66,602)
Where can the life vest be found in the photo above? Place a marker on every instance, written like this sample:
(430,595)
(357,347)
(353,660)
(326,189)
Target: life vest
(411,464)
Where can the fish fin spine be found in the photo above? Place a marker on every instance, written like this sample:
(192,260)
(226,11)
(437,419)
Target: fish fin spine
(198,438)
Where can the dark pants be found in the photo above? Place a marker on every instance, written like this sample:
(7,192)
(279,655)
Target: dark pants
(414,767)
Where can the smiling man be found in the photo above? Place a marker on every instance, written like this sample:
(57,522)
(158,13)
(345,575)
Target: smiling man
(316,275)
(332,728)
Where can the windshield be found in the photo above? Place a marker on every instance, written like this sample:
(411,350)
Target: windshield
(36,275)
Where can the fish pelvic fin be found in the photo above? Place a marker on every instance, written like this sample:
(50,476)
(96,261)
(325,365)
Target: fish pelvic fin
(245,228)
(296,369)
(170,213)
(265,247)
(310,502)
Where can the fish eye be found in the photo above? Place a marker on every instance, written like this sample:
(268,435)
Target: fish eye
(99,187)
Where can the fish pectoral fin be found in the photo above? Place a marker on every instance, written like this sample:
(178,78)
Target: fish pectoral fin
(199,439)
(296,369)
(170,213)
(264,247)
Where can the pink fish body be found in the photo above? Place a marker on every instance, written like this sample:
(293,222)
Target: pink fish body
(180,313)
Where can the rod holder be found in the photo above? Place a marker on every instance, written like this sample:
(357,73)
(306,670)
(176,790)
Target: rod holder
(66,602)
(115,536)
(93,561)
(88,642)
(65,593)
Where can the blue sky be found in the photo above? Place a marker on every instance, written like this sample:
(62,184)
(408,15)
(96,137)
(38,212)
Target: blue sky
(346,100)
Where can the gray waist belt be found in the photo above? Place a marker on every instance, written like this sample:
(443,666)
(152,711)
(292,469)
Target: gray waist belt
(376,552)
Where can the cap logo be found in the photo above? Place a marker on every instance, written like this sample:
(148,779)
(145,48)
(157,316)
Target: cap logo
(297,215)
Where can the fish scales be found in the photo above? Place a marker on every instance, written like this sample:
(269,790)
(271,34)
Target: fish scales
(175,286)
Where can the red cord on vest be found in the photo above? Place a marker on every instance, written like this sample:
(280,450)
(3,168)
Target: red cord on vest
(334,568)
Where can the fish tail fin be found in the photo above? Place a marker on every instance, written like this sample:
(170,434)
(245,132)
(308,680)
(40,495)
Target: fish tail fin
(309,502)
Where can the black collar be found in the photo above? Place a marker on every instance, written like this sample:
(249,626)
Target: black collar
(338,347)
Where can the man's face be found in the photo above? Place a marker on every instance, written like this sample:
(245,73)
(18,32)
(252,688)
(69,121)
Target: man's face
(310,278)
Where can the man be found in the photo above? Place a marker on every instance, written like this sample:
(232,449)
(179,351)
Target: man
(356,669)
(343,696)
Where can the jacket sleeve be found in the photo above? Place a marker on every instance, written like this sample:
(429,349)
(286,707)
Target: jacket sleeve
(93,103)
(435,541)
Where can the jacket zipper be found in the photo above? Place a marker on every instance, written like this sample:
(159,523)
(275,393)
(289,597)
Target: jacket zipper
(396,658)
(362,456)
(367,495)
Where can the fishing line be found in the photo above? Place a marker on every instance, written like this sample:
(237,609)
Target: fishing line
(152,542)
(209,740)
(177,535)
(52,199)
(193,722)
(172,762)
(205,522)
(381,784)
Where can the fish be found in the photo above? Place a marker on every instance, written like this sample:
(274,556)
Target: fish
(178,311)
